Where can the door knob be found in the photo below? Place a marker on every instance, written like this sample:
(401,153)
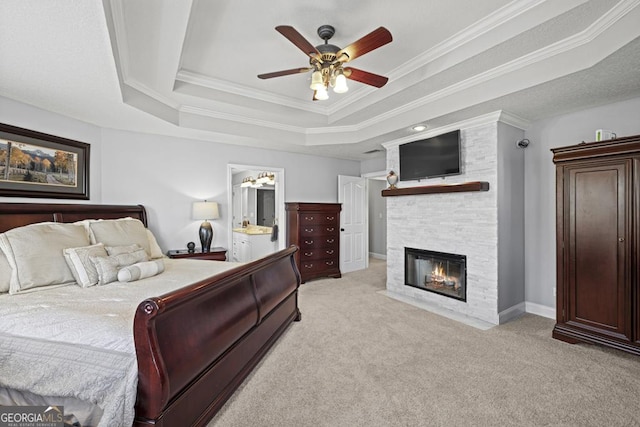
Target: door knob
(342,229)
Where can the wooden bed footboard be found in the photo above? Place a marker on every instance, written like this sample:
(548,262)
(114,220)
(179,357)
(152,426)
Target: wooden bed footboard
(197,344)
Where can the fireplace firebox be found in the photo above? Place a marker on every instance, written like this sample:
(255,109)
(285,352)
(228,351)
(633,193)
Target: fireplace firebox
(439,272)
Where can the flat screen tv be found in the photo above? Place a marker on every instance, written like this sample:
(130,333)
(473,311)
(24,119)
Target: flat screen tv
(431,157)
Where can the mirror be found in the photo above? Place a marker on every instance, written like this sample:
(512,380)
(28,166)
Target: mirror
(253,204)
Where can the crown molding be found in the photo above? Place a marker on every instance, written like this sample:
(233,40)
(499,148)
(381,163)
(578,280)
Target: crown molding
(120,45)
(472,33)
(204,112)
(197,79)
(514,120)
(584,37)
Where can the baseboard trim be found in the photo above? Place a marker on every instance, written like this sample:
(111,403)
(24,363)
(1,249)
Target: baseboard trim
(377,256)
(540,310)
(511,313)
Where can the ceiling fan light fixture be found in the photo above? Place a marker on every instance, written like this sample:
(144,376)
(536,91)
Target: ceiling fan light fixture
(317,82)
(322,94)
(341,83)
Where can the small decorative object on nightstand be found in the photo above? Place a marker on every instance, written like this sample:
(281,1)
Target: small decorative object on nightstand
(214,254)
(206,211)
(392,179)
(191,247)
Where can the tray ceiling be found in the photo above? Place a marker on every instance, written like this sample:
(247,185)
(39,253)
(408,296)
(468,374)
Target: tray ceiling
(188,68)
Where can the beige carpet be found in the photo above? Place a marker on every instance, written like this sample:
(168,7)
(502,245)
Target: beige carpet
(359,358)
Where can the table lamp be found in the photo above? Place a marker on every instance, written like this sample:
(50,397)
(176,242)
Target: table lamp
(206,211)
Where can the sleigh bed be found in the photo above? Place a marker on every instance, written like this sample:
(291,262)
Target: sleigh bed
(187,347)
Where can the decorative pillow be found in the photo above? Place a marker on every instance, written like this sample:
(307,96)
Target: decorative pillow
(129,258)
(155,250)
(5,274)
(126,249)
(106,267)
(119,232)
(78,260)
(140,270)
(35,254)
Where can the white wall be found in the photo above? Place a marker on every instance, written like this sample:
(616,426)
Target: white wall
(540,227)
(511,265)
(377,218)
(167,174)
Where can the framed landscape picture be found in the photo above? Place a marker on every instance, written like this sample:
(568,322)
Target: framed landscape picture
(34,164)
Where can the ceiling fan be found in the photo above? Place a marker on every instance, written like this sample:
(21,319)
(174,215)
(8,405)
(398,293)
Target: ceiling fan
(327,60)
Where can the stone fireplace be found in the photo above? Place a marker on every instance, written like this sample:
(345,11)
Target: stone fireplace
(442,273)
(486,226)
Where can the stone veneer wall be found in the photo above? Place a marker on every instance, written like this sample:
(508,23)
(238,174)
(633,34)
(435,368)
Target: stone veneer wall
(460,223)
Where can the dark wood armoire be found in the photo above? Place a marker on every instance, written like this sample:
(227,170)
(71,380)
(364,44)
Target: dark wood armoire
(598,242)
(315,229)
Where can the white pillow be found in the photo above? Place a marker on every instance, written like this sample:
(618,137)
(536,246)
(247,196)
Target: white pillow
(140,270)
(78,260)
(35,254)
(155,250)
(5,274)
(119,232)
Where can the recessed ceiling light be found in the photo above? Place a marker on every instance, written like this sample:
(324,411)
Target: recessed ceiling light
(419,128)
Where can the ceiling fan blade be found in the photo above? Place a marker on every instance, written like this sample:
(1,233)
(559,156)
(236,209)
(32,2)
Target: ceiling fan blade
(371,41)
(297,39)
(365,77)
(284,73)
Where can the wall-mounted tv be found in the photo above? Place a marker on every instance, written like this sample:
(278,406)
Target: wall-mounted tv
(431,157)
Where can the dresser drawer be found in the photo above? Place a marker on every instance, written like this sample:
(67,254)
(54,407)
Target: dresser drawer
(318,218)
(318,253)
(318,230)
(315,266)
(312,242)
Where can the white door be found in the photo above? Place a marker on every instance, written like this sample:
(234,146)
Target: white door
(354,229)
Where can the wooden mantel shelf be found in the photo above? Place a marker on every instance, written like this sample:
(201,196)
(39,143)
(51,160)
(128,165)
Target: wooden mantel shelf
(435,189)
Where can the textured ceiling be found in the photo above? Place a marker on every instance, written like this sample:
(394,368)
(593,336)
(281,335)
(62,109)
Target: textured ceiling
(188,68)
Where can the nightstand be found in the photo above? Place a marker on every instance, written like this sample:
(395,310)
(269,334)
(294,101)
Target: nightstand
(215,254)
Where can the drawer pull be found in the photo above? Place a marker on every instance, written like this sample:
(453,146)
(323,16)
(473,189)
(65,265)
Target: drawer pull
(329,262)
(308,253)
(309,230)
(330,240)
(331,218)
(330,229)
(330,252)
(308,218)
(308,242)
(308,266)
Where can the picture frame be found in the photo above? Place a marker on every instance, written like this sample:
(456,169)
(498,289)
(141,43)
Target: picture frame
(36,164)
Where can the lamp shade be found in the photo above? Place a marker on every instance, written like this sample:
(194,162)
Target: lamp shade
(205,210)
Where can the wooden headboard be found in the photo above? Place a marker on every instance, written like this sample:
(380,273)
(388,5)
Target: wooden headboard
(14,215)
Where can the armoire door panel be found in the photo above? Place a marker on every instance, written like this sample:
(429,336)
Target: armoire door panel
(598,200)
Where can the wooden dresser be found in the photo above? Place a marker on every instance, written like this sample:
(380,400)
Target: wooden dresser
(598,242)
(315,229)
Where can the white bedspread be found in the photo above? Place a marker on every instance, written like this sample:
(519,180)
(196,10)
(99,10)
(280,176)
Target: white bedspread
(78,342)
